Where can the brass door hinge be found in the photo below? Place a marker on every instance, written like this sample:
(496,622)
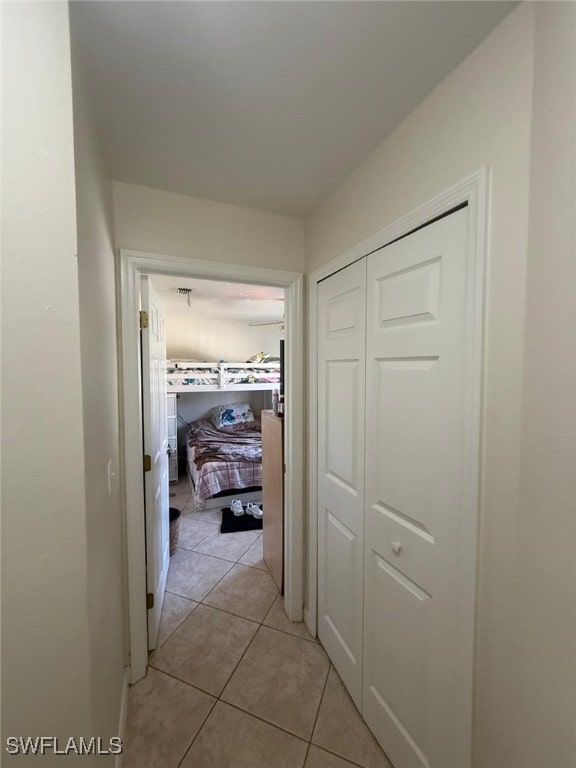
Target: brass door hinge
(143,319)
(149,600)
(147,462)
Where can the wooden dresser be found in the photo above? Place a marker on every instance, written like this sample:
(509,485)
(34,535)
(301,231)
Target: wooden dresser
(273,494)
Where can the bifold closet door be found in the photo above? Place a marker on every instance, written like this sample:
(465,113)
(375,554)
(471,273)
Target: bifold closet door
(417,435)
(341,385)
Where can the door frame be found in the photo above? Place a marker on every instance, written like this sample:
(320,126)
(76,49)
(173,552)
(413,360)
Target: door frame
(473,190)
(131,265)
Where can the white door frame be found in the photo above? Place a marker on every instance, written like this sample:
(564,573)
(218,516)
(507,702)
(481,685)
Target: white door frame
(132,264)
(474,191)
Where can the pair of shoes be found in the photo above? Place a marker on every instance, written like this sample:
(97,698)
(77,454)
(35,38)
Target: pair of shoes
(236,507)
(254,510)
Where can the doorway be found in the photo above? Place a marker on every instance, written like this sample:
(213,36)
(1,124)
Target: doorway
(132,266)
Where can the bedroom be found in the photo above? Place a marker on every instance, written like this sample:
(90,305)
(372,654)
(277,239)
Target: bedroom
(223,347)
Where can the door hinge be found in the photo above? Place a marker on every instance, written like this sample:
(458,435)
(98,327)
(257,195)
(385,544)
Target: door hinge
(147,462)
(149,600)
(143,319)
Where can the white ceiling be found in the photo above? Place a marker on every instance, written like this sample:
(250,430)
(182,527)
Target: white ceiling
(264,104)
(220,300)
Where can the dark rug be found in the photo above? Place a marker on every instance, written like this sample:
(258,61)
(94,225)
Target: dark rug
(232,523)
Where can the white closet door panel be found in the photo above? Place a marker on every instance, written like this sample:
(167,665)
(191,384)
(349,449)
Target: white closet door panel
(416,433)
(341,387)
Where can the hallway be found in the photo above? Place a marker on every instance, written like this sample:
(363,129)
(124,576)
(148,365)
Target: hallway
(233,682)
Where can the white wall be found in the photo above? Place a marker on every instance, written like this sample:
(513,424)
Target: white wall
(543,675)
(203,338)
(45,645)
(101,429)
(178,225)
(482,115)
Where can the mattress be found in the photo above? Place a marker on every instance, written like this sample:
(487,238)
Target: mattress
(224,459)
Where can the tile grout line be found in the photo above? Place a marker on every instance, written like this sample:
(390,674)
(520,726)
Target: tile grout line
(217,583)
(190,599)
(244,711)
(178,625)
(201,602)
(291,634)
(234,706)
(318,710)
(266,722)
(197,734)
(251,714)
(226,574)
(272,606)
(260,624)
(198,602)
(228,562)
(185,682)
(240,659)
(258,717)
(224,560)
(237,562)
(229,613)
(340,757)
(255,532)
(200,540)
(310,639)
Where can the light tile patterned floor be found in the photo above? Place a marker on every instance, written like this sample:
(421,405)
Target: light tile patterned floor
(233,683)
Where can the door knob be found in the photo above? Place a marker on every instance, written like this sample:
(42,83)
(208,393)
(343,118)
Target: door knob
(396,547)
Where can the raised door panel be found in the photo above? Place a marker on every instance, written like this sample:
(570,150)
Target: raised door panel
(341,382)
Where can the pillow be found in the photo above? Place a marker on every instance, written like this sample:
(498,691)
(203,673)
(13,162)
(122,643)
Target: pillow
(259,357)
(231,413)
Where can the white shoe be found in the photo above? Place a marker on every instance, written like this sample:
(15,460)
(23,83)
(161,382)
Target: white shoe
(254,510)
(236,507)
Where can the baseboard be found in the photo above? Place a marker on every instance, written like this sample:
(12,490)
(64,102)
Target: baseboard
(307,621)
(122,718)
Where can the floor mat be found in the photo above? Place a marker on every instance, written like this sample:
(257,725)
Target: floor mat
(232,522)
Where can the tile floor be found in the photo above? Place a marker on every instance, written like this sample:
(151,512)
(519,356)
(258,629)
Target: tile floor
(233,683)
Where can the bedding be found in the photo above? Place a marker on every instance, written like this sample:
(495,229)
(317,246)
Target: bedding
(192,376)
(230,414)
(224,459)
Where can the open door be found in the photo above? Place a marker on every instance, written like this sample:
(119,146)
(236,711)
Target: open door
(153,340)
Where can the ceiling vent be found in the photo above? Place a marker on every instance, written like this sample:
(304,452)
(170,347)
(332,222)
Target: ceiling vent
(185,292)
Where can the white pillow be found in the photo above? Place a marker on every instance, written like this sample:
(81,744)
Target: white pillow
(231,413)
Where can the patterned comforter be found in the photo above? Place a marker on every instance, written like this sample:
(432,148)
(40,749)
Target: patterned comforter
(224,459)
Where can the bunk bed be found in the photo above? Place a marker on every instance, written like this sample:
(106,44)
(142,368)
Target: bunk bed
(223,457)
(194,376)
